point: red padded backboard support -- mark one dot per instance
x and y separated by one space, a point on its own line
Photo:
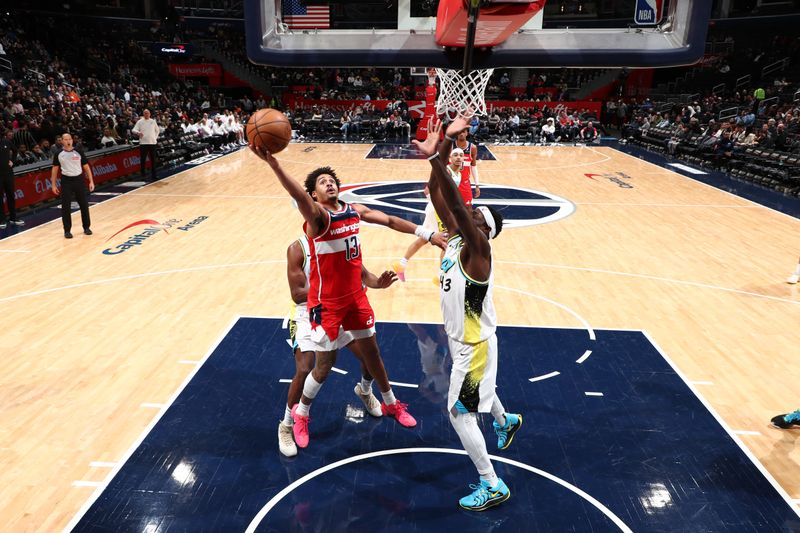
495 22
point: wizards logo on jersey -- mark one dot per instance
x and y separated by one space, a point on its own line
648 12
519 207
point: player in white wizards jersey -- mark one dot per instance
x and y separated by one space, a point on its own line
298 261
466 280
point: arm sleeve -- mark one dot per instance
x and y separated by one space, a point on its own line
84 159
56 162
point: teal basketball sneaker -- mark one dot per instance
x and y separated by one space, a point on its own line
484 496
505 434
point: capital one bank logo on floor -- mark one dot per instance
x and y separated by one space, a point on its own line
520 207
152 227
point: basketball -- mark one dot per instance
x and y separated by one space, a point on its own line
269 129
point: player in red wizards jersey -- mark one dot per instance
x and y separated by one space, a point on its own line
337 301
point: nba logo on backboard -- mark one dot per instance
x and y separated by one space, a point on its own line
648 11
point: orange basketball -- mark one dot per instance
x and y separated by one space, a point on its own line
269 129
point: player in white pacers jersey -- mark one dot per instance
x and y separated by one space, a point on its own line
466 280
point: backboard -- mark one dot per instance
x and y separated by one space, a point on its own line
305 33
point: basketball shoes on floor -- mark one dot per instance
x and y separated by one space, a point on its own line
370 401
400 270
400 413
286 441
505 434
787 421
300 427
484 496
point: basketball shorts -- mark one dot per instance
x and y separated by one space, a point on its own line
300 332
431 221
473 376
351 316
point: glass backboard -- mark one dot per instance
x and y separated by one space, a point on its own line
386 33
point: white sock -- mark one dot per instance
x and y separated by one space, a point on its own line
491 479
366 385
388 397
287 416
498 412
302 409
797 270
466 427
403 262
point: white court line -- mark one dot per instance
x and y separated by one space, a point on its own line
102 464
339 370
253 196
584 357
702 382
152 405
87 483
724 425
746 432
645 276
284 381
188 362
662 169
587 393
138 276
544 376
262 513
401 384
15 251
99 490
123 195
714 206
561 306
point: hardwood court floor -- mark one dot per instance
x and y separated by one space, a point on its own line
92 343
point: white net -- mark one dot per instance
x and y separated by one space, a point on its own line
461 95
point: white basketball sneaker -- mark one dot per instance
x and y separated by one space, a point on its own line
794 278
370 401
286 440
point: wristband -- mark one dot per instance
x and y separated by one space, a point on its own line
423 233
434 156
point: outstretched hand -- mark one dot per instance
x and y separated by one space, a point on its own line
264 154
457 126
428 147
386 279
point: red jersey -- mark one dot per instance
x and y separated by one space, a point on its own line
335 258
465 185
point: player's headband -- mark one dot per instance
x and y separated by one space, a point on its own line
487 216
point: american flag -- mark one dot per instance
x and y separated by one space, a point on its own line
299 16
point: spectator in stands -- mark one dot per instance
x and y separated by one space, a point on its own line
108 139
147 130
345 123
549 131
589 132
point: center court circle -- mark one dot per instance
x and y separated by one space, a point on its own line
376 487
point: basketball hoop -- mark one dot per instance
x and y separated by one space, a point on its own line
464 95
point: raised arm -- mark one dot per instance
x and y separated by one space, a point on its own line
312 212
449 193
434 191
373 216
294 272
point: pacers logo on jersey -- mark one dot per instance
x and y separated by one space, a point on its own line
648 12
519 207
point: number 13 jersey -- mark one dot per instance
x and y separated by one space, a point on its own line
336 258
467 306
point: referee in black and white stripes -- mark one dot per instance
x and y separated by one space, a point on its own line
73 163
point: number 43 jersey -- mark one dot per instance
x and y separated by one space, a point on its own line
336 258
467 306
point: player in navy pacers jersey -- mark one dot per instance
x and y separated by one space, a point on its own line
337 301
466 279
